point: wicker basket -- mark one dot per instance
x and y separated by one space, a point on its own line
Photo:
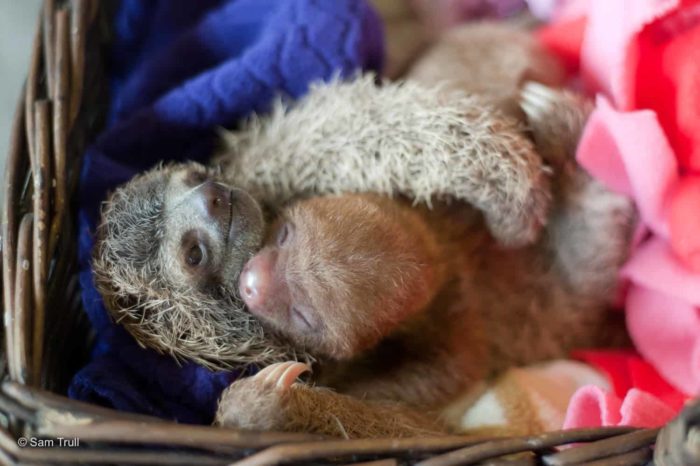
47 337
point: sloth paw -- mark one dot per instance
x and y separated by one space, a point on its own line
261 402
556 119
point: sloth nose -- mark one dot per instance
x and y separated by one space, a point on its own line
217 199
255 283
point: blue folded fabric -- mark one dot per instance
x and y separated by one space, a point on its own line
178 70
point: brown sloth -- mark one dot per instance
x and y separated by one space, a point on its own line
404 308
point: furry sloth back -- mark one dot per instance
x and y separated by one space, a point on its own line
491 60
397 138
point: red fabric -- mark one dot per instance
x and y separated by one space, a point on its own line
667 79
564 40
626 370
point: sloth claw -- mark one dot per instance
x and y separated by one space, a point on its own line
282 374
536 99
290 375
263 374
556 119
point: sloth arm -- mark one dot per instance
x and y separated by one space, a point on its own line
394 140
272 401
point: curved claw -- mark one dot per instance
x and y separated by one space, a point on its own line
535 98
291 374
282 374
266 371
278 371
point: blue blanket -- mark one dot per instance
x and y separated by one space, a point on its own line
179 69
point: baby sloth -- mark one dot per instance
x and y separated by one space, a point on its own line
404 308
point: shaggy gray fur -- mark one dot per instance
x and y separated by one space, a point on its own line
172 317
397 138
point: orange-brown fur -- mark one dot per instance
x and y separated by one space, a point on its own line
428 303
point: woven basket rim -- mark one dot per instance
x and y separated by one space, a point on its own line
57 114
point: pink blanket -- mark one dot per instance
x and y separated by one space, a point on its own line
642 58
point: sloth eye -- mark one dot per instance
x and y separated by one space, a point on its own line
283 234
195 255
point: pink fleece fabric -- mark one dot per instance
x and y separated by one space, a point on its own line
629 152
630 55
608 52
592 406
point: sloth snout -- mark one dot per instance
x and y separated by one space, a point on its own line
256 282
217 200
